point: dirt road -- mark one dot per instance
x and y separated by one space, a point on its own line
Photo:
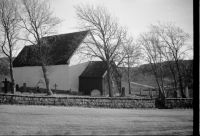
42 120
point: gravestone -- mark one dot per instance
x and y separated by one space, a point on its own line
17 88
38 89
186 92
55 86
95 93
5 85
123 91
175 94
140 91
178 94
24 87
9 85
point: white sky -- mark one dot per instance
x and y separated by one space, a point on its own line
135 14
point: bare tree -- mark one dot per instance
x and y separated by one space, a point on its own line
106 36
175 39
9 31
133 54
39 21
169 63
150 43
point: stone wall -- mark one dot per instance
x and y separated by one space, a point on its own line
173 103
104 102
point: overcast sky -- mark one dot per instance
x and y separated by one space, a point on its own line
135 14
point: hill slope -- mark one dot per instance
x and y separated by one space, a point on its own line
143 75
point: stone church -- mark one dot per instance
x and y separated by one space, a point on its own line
65 71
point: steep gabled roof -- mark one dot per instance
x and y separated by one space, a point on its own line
63 47
94 69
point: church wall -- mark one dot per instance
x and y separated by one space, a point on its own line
60 77
33 75
74 72
28 75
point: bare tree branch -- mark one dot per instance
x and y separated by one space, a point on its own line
9 30
132 55
38 22
106 37
176 41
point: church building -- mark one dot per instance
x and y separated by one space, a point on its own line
64 71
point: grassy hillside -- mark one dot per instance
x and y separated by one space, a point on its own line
143 75
135 89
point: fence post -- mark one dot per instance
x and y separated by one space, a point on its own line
150 92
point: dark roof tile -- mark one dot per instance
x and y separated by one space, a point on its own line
63 47
94 69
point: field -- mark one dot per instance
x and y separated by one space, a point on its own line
40 120
136 89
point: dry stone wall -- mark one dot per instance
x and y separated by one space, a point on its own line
104 102
172 103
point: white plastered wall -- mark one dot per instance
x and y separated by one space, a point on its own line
59 75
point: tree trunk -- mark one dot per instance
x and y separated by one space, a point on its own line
162 82
12 77
174 78
157 81
129 85
180 79
129 82
109 80
159 87
49 92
